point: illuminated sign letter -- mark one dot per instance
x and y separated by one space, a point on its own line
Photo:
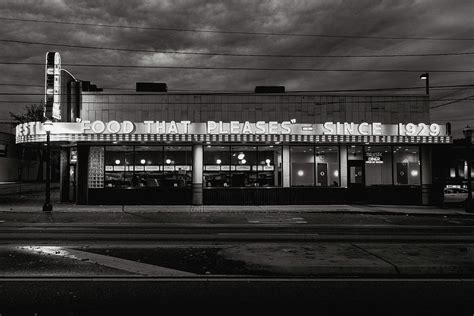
173 129
186 125
128 127
349 129
148 126
85 125
113 127
247 128
234 127
211 127
286 127
222 130
98 127
160 127
329 128
272 127
376 128
364 128
260 127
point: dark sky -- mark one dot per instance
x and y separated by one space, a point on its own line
402 19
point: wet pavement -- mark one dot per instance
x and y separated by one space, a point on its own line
242 259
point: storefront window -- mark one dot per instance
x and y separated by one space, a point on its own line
118 166
327 166
216 170
148 166
177 165
269 166
243 166
378 165
406 165
302 165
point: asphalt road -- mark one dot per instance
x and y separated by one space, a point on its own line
127 264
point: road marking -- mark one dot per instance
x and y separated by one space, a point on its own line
276 220
108 261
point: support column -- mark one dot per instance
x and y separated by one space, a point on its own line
197 174
426 175
343 171
82 174
286 166
64 175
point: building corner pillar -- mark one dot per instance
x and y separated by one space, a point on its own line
343 164
426 175
197 174
286 166
64 175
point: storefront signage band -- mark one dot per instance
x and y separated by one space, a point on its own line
234 128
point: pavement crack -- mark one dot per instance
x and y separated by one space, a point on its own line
377 256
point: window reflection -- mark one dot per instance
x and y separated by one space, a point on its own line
118 166
216 169
269 166
302 165
242 166
148 166
177 166
406 162
327 165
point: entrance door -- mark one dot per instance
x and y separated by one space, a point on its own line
356 181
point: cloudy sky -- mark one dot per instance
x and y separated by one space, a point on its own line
203 28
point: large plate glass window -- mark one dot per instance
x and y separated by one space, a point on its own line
406 165
243 166
216 171
269 166
148 166
177 166
378 165
327 165
302 165
118 166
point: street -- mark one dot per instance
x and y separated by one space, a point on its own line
122 262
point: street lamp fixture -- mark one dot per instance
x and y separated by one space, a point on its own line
426 76
467 131
47 207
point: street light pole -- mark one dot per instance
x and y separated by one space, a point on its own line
426 77
468 138
47 207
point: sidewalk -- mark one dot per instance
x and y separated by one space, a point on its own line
32 199
343 208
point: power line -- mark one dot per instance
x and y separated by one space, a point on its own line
21 85
459 119
468 98
235 54
247 68
437 87
238 32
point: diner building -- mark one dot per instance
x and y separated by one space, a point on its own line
267 146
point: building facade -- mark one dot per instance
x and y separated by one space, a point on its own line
264 147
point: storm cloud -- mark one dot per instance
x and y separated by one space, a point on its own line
403 19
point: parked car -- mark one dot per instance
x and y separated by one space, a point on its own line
455 196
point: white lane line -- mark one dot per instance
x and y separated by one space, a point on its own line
108 261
